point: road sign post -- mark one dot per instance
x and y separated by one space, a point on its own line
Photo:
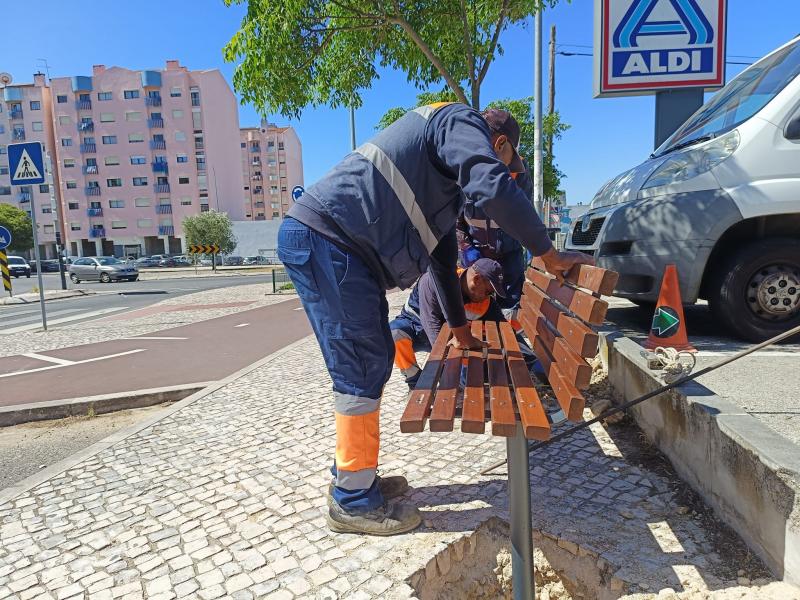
26 165
212 249
5 242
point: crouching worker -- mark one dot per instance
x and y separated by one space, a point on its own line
420 320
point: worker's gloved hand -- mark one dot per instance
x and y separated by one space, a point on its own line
464 340
469 256
559 263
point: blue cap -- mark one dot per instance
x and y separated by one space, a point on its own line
493 272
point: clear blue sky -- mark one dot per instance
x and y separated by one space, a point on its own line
607 135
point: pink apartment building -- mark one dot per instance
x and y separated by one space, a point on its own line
272 164
140 150
26 116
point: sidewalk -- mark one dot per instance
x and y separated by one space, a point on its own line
33 297
222 496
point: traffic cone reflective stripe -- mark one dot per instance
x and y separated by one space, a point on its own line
668 328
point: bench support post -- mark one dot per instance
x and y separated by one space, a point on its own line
519 500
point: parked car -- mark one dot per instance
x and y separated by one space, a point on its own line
167 261
18 266
208 262
183 261
146 262
719 200
102 268
233 261
255 260
48 266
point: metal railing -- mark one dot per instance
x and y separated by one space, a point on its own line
88 148
86 126
161 188
90 169
164 209
166 230
160 167
155 123
94 212
15 113
280 279
152 101
97 232
92 191
83 104
158 144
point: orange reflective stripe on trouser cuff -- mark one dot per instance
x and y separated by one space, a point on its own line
357 440
404 357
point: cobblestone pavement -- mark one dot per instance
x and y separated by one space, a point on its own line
256 295
223 497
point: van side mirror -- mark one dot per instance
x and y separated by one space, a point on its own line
793 129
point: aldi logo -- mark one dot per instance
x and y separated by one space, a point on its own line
642 46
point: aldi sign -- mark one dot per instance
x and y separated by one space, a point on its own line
643 46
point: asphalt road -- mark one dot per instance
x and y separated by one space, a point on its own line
765 384
115 297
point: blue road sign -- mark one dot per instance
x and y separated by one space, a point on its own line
5 238
26 163
297 191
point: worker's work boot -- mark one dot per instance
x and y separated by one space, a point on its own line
390 487
390 519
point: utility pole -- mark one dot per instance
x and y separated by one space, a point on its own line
352 128
538 180
552 73
60 228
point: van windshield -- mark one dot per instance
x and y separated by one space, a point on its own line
740 99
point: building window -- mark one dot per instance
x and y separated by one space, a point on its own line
37 126
141 202
107 117
118 225
175 92
49 228
180 136
116 204
204 208
130 94
144 223
116 182
138 160
66 142
109 139
3 170
64 120
182 158
73 206
243 145
177 114
3 150
44 188
280 145
111 161
197 122
36 105
194 92
134 138
72 184
69 163
183 180
133 116
5 190
139 181
61 99
186 201
105 96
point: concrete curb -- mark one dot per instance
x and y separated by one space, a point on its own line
54 295
31 482
98 405
746 471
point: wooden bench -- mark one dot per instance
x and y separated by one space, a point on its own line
495 385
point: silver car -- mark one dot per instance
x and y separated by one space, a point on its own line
102 268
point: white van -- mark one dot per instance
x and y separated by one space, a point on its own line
721 200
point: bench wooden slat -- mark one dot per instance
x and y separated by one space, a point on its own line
569 398
591 278
531 412
419 401
444 403
584 305
578 336
473 415
503 418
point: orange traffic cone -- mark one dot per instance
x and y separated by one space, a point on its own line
669 329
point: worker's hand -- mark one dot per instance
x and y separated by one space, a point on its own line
464 340
559 263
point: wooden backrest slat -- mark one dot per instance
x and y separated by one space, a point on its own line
531 412
473 415
569 398
580 337
582 304
591 278
419 401
503 418
444 403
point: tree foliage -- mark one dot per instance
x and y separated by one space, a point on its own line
19 224
210 227
522 111
296 53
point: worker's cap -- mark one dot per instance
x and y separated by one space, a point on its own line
502 123
491 271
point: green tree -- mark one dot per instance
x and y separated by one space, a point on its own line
522 111
295 53
210 227
19 224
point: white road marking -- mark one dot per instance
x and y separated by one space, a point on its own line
242 325
37 314
92 313
299 308
58 361
759 354
152 337
77 362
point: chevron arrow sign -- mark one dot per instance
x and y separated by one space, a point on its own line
204 249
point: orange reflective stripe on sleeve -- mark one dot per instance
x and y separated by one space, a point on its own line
404 356
357 441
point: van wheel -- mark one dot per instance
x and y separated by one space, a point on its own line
756 293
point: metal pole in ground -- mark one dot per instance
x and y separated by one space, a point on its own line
38 263
519 507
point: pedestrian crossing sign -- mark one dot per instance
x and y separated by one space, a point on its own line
26 163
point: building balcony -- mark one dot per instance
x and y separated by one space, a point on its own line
258 204
86 126
166 230
258 190
255 148
158 145
18 135
152 101
155 123
160 167
161 188
92 191
90 169
199 146
15 113
88 148
195 101
83 104
24 196
261 218
164 209
97 232
94 212
256 177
